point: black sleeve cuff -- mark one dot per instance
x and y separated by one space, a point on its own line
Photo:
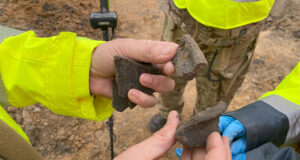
263 124
269 151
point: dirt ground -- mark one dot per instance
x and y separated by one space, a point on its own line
59 137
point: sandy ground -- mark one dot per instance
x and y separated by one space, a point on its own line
60 137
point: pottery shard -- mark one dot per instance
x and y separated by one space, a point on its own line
195 132
189 59
127 77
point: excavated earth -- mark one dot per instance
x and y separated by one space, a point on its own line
59 137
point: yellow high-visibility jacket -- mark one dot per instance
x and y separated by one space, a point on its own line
289 87
226 14
53 71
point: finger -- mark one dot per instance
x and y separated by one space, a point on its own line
224 122
238 146
141 98
167 68
199 153
145 50
101 86
159 83
187 153
226 143
215 147
235 129
214 141
157 145
170 126
241 156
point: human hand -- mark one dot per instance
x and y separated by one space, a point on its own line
102 69
236 132
157 145
217 148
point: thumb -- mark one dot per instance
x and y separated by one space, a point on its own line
157 145
217 148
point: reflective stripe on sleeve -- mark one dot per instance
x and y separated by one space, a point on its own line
7 32
291 110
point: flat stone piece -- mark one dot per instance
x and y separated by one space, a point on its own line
127 77
189 59
195 132
120 103
296 34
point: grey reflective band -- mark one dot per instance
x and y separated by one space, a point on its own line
4 33
3 96
7 32
292 111
245 0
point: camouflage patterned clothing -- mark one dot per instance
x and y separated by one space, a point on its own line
233 50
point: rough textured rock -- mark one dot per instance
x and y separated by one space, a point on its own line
119 103
296 34
127 77
189 59
195 132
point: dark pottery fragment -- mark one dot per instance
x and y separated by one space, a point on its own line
195 132
189 59
127 77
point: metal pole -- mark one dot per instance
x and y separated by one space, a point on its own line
104 8
104 4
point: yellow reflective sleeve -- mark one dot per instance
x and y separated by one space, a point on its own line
53 71
180 3
10 122
289 87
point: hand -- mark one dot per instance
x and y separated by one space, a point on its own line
236 132
157 145
217 148
102 69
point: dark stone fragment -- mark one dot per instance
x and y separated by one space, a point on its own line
119 103
127 77
259 61
130 104
128 73
195 132
49 7
296 34
189 59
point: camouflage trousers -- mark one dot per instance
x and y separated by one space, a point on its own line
228 53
